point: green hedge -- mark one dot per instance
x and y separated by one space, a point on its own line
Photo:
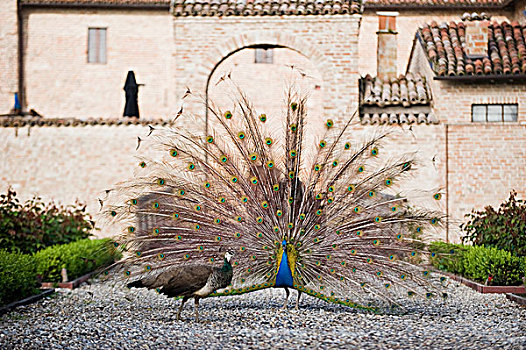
79 258
17 276
479 262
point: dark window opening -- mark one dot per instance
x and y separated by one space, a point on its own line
264 56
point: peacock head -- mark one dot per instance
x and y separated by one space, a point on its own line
228 256
284 243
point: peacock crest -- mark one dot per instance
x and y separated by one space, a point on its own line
327 218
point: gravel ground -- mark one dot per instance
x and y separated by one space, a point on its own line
101 317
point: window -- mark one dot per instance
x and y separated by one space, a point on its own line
96 45
387 21
494 112
264 56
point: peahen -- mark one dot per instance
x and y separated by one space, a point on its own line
188 281
328 219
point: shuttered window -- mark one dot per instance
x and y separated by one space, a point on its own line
96 45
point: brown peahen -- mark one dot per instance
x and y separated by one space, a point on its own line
188 281
327 218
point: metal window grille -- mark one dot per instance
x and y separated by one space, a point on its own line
494 112
96 45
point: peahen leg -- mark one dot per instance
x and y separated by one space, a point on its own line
286 298
298 300
196 299
181 308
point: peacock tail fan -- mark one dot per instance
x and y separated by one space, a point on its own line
256 187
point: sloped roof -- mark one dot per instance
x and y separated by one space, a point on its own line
442 4
444 46
221 7
406 90
264 7
402 100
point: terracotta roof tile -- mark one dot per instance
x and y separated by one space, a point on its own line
445 45
475 4
406 90
264 7
110 3
18 122
398 118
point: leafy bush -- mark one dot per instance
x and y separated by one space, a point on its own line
35 225
504 228
479 262
447 256
78 258
17 276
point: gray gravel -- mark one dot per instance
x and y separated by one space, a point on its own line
102 317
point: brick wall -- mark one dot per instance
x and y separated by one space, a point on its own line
328 42
485 163
485 160
67 163
8 54
60 83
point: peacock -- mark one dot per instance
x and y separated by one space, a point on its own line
326 218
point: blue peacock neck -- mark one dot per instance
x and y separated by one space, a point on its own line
284 275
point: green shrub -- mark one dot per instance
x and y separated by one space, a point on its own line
504 228
78 258
17 276
35 225
447 256
479 262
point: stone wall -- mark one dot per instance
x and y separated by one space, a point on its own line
8 54
60 83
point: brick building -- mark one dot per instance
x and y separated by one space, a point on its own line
68 59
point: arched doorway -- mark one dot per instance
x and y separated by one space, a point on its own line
264 74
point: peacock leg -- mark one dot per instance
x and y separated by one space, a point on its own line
286 298
181 308
298 300
196 299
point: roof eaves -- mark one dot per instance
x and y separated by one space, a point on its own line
490 78
40 4
426 6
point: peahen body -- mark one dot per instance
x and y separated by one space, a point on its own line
188 281
328 219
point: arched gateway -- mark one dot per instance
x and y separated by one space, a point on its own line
325 32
